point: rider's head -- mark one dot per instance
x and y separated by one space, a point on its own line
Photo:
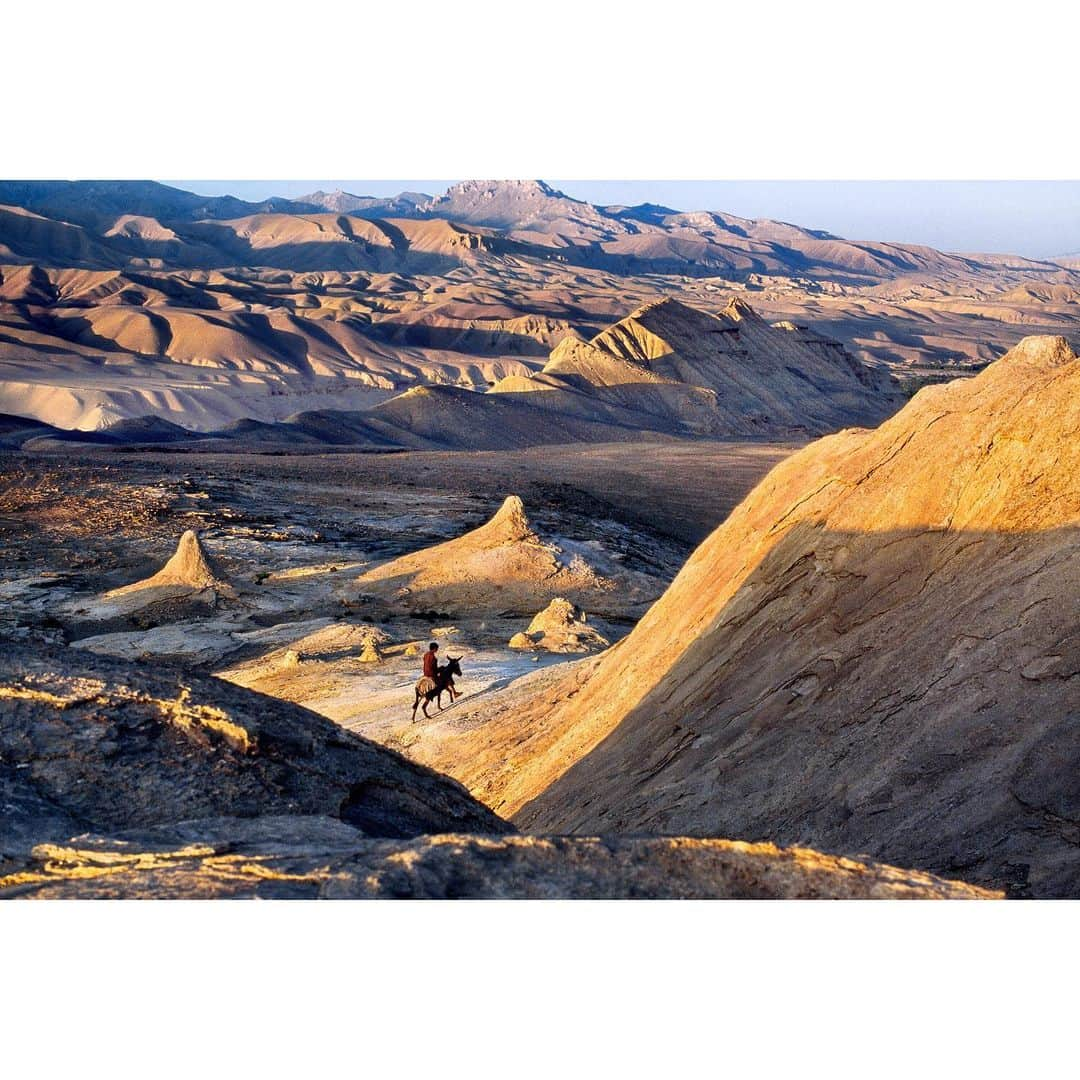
434 646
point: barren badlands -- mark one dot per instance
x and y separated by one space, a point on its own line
756 547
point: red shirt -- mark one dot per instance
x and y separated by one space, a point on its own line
431 664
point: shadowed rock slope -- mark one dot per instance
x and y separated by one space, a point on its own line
90 744
876 652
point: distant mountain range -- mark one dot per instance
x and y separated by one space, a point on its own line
118 224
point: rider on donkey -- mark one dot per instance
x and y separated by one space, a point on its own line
435 679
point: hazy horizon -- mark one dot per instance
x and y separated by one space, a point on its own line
1036 218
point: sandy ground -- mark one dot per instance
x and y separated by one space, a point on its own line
376 700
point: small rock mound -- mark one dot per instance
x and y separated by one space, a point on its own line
561 627
503 566
328 643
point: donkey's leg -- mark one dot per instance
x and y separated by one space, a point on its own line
414 704
427 702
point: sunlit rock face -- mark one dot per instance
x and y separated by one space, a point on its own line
876 652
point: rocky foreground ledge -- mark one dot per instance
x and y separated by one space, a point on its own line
317 858
143 780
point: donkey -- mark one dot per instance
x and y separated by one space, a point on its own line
429 690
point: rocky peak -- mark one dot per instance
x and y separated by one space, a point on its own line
515 204
491 189
739 309
510 522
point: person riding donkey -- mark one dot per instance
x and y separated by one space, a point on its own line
436 679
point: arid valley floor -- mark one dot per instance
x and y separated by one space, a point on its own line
757 548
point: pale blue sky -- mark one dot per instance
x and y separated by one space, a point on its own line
1037 218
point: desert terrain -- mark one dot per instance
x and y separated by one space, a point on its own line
126 300
756 547
94 669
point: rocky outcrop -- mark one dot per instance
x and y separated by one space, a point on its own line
876 652
562 627
671 368
310 858
765 378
